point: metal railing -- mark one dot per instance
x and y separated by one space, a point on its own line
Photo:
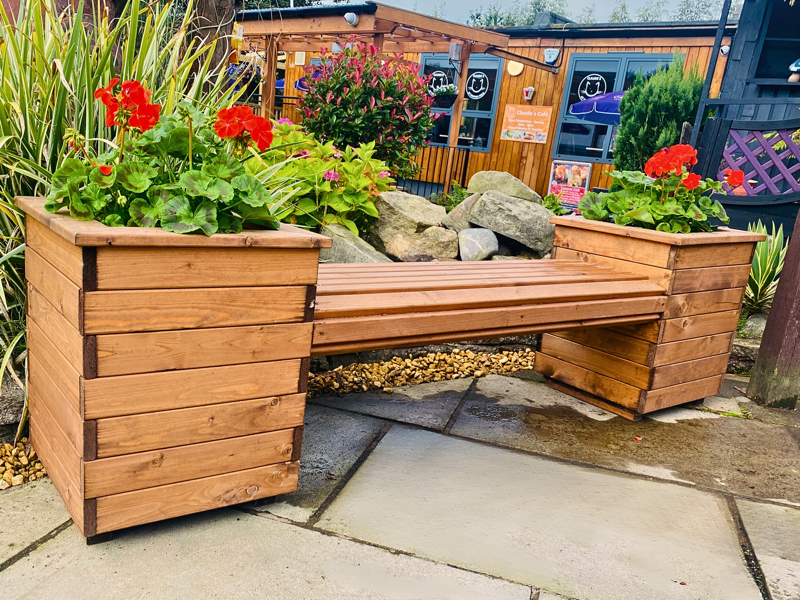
439 167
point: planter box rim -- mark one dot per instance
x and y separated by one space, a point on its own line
724 235
94 233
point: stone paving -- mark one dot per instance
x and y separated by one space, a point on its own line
496 488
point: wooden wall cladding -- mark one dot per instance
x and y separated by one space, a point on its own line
166 380
683 356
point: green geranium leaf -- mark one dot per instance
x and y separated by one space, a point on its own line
719 212
104 181
146 213
622 220
591 205
223 167
664 226
135 176
71 168
114 221
197 183
180 218
251 190
95 196
693 212
229 223
640 214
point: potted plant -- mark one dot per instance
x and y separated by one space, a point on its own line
169 317
658 225
444 96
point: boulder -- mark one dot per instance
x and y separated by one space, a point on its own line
753 329
402 213
525 222
477 244
12 399
505 257
506 183
456 219
347 247
435 243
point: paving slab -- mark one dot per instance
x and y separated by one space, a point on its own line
28 513
579 532
427 404
229 554
332 442
736 455
774 532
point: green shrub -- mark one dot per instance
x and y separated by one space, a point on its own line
456 196
653 112
767 266
552 202
363 96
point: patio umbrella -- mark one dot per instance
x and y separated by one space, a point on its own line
280 84
603 109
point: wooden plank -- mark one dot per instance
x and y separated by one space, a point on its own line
685 328
589 381
598 361
142 470
64 336
326 269
129 353
148 268
710 278
125 311
714 255
64 295
148 392
57 440
334 331
57 251
627 413
62 408
337 306
675 352
646 252
698 303
611 342
176 499
460 336
164 429
63 374
669 375
648 332
680 394
660 276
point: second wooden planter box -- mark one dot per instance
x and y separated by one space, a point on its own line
167 373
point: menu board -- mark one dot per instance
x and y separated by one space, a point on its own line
571 180
525 123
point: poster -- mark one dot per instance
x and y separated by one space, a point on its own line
524 123
571 180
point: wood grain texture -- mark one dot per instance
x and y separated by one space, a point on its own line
159 268
61 446
692 349
661 276
621 411
65 257
710 278
173 500
142 470
680 394
63 409
57 367
129 353
64 336
611 342
714 255
670 375
698 303
684 328
63 294
125 311
152 431
589 381
654 254
149 392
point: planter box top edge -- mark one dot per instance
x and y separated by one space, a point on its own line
94 233
723 235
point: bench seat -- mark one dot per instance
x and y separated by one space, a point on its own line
372 306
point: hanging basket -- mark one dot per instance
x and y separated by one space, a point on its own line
444 100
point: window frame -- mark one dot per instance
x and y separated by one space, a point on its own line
624 59
491 114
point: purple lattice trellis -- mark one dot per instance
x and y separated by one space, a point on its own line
765 149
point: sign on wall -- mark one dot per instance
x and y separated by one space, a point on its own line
524 123
571 180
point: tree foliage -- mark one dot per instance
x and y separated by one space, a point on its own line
620 13
588 15
653 112
651 12
517 14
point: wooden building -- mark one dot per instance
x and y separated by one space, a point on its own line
599 57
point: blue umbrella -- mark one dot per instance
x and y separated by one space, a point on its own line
603 109
280 84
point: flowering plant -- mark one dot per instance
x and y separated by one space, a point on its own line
445 90
183 171
363 96
329 185
666 197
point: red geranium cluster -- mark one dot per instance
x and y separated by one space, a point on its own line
130 107
241 125
672 159
734 178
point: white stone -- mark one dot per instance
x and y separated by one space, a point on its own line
476 244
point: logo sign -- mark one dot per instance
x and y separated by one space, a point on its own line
591 86
523 123
477 85
438 80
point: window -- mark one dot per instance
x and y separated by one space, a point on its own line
591 75
480 100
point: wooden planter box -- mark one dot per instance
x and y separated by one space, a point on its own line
167 372
679 358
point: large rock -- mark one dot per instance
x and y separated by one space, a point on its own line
525 222
457 219
348 248
403 213
435 243
753 329
12 399
477 244
506 183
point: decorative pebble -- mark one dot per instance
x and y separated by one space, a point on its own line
19 464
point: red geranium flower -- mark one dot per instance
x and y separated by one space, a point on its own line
134 94
145 116
734 178
262 135
106 169
691 181
229 123
104 94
